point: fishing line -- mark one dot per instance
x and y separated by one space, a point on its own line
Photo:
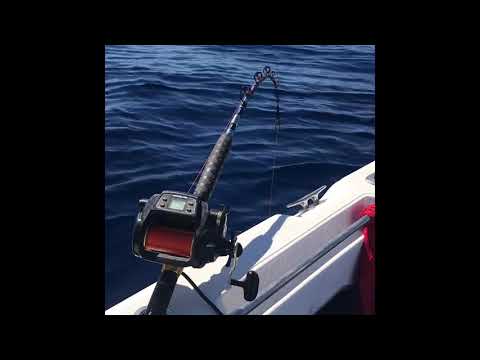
196 178
276 130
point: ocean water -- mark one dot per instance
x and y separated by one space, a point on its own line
165 107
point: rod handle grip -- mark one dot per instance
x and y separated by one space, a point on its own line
213 167
162 293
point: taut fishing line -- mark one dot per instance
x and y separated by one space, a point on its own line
276 130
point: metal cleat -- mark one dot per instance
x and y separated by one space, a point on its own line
308 200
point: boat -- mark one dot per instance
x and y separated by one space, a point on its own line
302 261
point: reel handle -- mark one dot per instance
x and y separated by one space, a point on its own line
249 285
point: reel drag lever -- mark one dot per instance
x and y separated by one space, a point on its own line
236 250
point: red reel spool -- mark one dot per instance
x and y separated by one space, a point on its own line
169 241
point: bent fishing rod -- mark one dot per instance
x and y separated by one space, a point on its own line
178 229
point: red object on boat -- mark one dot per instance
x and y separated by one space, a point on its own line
174 242
367 264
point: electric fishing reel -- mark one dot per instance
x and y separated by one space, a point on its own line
179 229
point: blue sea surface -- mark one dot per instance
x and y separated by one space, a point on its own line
165 107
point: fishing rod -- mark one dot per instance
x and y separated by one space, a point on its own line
178 229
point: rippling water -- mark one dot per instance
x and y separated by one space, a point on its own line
167 105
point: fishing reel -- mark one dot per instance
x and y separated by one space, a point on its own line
178 229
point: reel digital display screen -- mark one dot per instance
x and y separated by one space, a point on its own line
177 203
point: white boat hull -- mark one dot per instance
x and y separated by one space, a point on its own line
275 248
